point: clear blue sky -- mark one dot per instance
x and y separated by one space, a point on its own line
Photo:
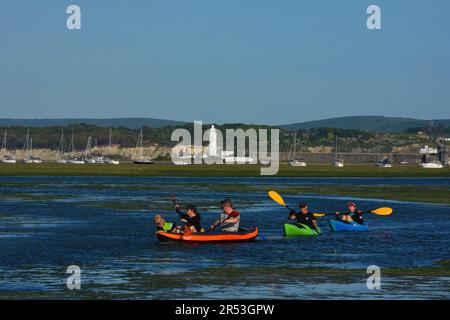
253 61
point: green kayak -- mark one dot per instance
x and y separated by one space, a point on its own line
299 229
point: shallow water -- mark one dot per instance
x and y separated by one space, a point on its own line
104 225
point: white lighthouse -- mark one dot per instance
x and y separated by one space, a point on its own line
212 150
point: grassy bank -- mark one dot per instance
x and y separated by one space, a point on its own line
132 170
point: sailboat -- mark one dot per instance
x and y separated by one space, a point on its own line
60 151
294 162
139 152
72 159
7 158
385 163
28 150
87 158
337 163
109 159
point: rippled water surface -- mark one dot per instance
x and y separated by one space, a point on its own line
104 225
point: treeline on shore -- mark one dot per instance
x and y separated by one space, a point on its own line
349 140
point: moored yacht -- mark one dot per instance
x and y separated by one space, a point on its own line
139 153
7 158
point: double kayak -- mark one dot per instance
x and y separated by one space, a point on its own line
299 229
337 225
213 236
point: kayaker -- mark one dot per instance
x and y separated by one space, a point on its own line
191 218
304 216
164 226
356 215
229 219
351 215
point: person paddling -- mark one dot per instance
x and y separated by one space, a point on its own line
304 216
229 220
352 214
191 218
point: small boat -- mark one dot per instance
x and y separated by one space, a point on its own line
337 225
139 153
28 149
109 159
293 162
9 159
337 163
432 165
60 150
385 163
213 237
299 229
75 160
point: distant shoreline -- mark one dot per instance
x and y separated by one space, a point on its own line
167 169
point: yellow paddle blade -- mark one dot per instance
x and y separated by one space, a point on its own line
276 197
319 214
385 211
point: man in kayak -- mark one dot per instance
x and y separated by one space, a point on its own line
352 215
229 219
163 226
191 218
304 216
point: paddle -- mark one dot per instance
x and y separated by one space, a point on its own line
384 211
275 196
186 230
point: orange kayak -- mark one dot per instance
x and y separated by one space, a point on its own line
242 235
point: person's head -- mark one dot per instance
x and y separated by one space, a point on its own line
351 206
159 220
191 210
227 205
303 206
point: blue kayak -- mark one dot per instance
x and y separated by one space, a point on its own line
337 225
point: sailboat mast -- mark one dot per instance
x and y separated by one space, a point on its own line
336 149
72 142
142 148
295 142
4 143
110 139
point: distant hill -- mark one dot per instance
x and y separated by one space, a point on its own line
132 123
370 123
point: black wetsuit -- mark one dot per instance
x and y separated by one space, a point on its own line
195 221
358 217
307 219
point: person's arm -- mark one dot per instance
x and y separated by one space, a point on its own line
218 221
291 215
233 217
230 220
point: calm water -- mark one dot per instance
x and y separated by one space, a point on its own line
104 225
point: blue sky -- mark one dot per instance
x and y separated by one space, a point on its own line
253 61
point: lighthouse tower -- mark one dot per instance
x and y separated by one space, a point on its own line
212 150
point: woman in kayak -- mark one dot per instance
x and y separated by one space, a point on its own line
163 226
229 220
351 215
191 218
304 216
